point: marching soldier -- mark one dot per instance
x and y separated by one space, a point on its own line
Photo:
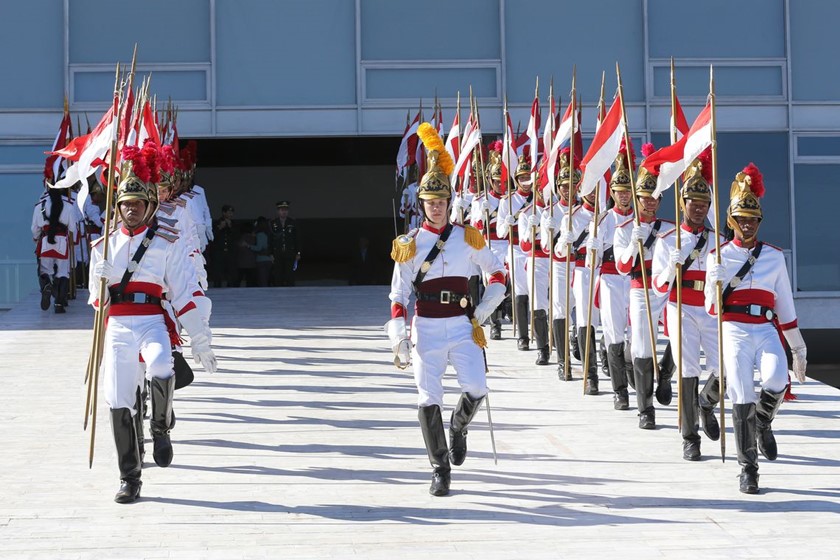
510 209
483 217
756 297
435 262
699 330
144 263
286 246
579 242
536 270
629 263
551 223
53 231
614 288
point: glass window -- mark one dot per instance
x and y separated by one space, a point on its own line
817 146
813 27
817 236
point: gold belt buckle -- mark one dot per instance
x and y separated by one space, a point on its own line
699 285
445 296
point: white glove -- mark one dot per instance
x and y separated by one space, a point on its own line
209 230
510 220
400 344
484 205
637 234
594 244
675 258
716 273
533 221
102 269
464 204
199 333
566 238
550 222
494 293
799 352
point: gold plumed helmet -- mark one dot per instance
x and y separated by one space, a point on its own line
435 183
747 189
646 180
523 169
697 180
494 166
621 179
139 175
563 175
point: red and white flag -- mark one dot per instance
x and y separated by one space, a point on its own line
604 148
550 126
533 131
407 153
678 123
84 150
563 134
604 183
472 138
673 160
509 159
55 163
453 140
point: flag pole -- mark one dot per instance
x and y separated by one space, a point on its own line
678 238
594 254
483 176
637 221
533 285
510 184
568 248
718 288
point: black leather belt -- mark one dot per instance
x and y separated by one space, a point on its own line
137 297
446 297
751 310
637 274
694 284
609 255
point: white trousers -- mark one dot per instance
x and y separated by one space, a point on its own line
441 341
59 267
538 286
747 347
580 289
126 337
614 298
558 304
699 330
517 271
639 330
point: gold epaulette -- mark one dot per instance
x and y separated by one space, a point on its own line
180 202
473 237
169 229
166 208
403 248
166 235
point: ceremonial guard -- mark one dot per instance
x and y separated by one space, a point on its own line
629 263
510 210
143 264
434 262
462 200
556 239
699 330
579 242
484 216
757 300
284 233
536 270
53 231
408 201
613 289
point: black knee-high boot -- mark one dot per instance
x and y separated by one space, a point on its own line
431 424
602 355
523 321
45 283
128 455
463 414
161 422
643 371
765 411
708 399
560 343
138 424
541 335
664 392
618 376
743 418
592 373
688 418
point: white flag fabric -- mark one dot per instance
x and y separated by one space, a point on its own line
604 148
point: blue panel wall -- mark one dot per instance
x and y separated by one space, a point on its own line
426 83
104 31
819 146
188 85
431 30
32 47
275 53
817 235
20 193
546 38
733 81
813 32
717 29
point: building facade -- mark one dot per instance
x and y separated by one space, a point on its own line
353 69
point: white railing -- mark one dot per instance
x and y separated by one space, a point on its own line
17 279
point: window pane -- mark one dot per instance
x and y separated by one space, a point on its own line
817 236
819 145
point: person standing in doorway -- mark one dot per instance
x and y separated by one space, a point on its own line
284 235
